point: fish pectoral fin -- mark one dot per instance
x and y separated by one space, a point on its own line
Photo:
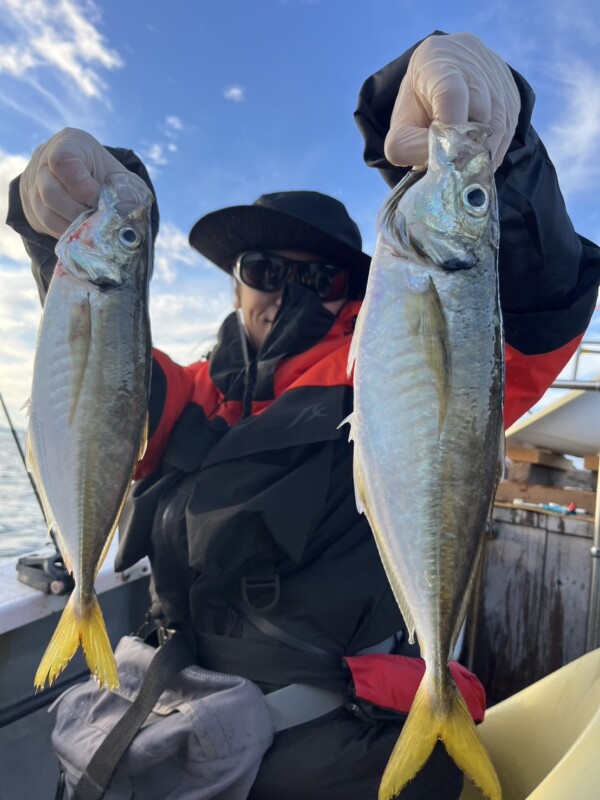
79 338
427 324
74 628
424 726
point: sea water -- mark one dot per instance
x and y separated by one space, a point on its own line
22 526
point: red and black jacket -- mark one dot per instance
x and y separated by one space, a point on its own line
246 503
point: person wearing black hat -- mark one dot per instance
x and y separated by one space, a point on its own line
244 500
304 237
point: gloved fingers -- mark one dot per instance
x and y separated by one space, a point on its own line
406 142
63 179
455 79
46 205
71 164
500 139
407 146
54 200
447 98
504 119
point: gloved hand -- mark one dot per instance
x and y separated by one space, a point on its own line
63 179
454 79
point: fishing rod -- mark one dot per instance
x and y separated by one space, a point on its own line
46 573
21 453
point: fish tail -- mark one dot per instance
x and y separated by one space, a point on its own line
75 628
428 722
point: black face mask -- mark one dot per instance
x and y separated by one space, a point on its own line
300 323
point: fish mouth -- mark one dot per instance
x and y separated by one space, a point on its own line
105 282
439 252
457 264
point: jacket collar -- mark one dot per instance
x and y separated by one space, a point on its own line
236 369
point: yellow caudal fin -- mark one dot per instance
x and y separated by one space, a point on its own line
72 630
424 726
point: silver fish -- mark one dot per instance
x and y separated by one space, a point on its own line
89 400
427 422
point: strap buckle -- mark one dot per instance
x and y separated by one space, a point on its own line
257 588
164 634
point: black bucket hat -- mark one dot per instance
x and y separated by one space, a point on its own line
307 221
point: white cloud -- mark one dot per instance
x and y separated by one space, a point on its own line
19 319
235 93
61 35
10 242
174 123
573 141
172 148
154 154
185 323
173 249
16 61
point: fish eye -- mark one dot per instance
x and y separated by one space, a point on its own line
129 237
475 199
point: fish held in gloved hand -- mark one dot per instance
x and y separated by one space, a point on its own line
89 401
427 422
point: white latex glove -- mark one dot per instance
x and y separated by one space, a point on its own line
454 79
63 180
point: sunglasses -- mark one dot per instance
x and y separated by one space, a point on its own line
269 272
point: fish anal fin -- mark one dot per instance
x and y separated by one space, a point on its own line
429 721
79 338
33 469
29 457
144 439
428 327
360 490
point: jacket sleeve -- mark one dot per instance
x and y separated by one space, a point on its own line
40 247
171 390
549 275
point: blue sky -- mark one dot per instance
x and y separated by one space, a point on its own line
227 99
